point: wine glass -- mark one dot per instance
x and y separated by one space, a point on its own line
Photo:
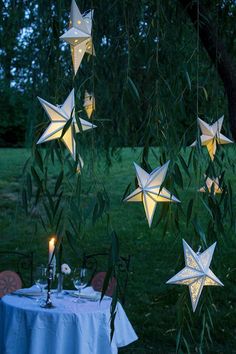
79 279
41 280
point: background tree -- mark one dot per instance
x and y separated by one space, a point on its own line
216 46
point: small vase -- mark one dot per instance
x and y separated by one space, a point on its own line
60 286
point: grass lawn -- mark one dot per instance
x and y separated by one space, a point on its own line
160 313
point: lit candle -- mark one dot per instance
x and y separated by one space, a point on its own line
51 248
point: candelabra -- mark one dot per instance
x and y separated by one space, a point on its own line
48 302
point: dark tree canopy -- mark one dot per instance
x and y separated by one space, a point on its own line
151 75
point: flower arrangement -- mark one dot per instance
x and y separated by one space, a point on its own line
65 269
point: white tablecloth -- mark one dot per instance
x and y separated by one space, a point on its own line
69 328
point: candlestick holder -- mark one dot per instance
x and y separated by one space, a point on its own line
48 302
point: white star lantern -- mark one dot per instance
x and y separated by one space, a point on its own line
196 273
89 103
211 184
211 136
59 116
150 190
79 35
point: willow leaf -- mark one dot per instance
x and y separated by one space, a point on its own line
59 182
133 89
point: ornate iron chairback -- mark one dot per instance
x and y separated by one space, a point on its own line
21 263
95 263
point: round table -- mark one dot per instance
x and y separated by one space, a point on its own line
69 328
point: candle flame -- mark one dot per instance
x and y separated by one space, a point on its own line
52 241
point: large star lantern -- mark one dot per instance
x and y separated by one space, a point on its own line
59 116
211 136
150 190
196 273
79 35
212 184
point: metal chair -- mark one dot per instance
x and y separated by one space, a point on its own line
98 280
9 282
96 263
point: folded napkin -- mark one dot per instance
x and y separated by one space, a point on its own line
87 293
90 294
33 291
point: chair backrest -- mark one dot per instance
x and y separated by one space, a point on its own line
9 282
98 280
19 262
96 262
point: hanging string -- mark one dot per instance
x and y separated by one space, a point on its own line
93 94
199 172
197 106
157 61
216 61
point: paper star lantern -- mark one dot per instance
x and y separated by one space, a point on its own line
196 273
59 116
211 136
80 165
89 103
211 184
150 190
79 35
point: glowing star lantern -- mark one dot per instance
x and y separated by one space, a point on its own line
79 35
80 165
89 103
211 136
211 184
196 273
59 116
150 190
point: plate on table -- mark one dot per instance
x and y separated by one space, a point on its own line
84 296
27 292
96 296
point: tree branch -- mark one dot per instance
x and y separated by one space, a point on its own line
217 52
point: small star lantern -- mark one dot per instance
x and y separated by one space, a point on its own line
150 190
211 136
211 184
89 104
79 35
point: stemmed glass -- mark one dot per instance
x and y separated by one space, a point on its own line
79 279
41 280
